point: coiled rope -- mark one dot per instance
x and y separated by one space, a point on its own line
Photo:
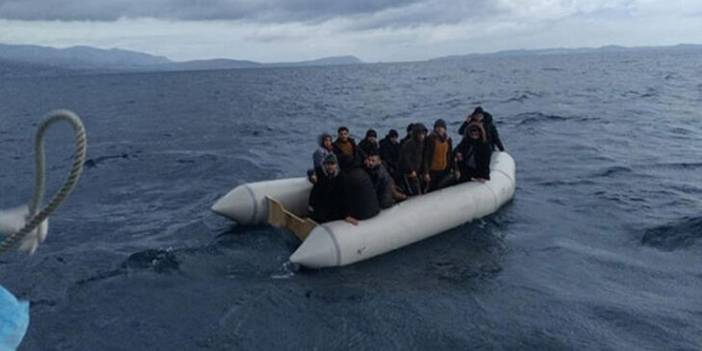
37 217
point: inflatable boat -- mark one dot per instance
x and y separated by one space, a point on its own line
283 203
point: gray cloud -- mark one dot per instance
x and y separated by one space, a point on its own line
254 10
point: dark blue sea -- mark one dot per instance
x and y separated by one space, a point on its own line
601 249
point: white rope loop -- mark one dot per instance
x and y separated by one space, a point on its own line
37 217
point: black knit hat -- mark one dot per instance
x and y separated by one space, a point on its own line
330 158
418 128
371 133
393 134
372 151
440 123
478 110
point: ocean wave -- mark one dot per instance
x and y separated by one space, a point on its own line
673 236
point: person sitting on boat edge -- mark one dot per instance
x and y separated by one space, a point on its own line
324 203
390 153
411 162
485 119
473 155
369 142
325 148
382 181
359 198
344 144
438 159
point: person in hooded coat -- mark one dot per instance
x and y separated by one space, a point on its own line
438 159
325 201
390 153
359 200
326 147
369 142
473 155
411 163
485 119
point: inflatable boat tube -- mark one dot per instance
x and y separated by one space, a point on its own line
14 319
339 243
247 204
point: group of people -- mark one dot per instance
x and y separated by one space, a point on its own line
355 181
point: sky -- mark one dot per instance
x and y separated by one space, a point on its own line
373 30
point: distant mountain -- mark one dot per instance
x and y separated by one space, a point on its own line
566 51
234 64
89 58
327 61
81 57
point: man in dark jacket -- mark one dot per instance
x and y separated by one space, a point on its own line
473 155
360 200
325 202
369 142
438 159
411 163
382 182
390 153
409 133
344 144
481 116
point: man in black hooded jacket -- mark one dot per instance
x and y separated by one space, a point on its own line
485 118
325 202
359 197
390 152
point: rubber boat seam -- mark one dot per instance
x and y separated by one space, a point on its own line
254 215
336 243
505 174
494 196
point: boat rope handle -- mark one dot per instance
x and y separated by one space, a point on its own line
37 217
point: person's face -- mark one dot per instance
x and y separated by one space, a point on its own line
421 136
344 135
474 134
440 130
394 140
330 168
373 161
478 118
372 139
327 143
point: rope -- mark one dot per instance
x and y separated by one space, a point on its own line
40 182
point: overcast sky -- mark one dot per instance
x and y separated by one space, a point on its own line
373 30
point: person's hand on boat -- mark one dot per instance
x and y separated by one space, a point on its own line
313 179
459 156
351 220
427 178
413 174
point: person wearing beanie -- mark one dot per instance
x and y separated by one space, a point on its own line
409 133
485 119
390 153
344 144
369 142
438 157
324 203
359 198
473 154
411 164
